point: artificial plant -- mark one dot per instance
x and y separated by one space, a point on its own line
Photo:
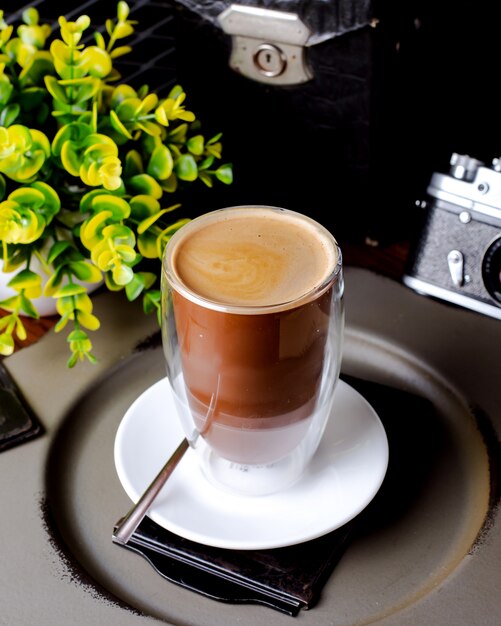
88 169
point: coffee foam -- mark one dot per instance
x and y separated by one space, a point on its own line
253 256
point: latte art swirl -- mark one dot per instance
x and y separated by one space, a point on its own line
247 260
240 274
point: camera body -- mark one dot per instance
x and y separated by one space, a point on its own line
458 255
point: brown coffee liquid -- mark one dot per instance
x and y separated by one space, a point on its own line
252 376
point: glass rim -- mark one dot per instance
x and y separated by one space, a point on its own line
175 283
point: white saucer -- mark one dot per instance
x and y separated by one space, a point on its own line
343 477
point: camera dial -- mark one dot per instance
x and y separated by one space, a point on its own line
464 167
491 269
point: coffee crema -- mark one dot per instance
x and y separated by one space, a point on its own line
253 257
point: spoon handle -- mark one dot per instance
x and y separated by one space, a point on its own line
127 525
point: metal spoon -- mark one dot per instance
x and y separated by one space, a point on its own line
127 525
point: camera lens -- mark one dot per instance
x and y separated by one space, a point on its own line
491 269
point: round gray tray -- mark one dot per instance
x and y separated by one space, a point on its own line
431 557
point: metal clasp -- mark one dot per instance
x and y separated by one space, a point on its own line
267 46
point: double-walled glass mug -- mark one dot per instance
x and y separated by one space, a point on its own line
252 331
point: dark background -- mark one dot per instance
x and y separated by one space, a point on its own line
356 146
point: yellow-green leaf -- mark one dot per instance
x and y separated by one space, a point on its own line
6 344
88 320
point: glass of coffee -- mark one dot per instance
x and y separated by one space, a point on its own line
252 331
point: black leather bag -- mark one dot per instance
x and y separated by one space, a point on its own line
396 87
321 146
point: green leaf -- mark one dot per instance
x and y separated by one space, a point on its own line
161 163
87 199
55 89
120 51
170 185
117 207
146 223
70 290
122 274
206 179
135 287
143 206
21 330
70 158
122 11
53 283
51 201
30 16
178 134
63 321
77 335
100 40
206 163
24 280
109 26
87 91
97 61
123 30
214 149
86 272
147 245
148 103
214 139
150 128
149 279
128 106
118 125
9 114
32 98
225 174
82 302
5 321
28 308
133 164
6 344
10 304
6 88
186 168
88 320
39 66
196 145
57 249
75 132
3 187
151 301
72 361
111 284
65 306
42 113
175 92
27 196
173 228
145 184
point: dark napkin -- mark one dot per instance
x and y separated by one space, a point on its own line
18 423
287 579
290 579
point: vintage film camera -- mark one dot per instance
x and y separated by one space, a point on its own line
458 255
